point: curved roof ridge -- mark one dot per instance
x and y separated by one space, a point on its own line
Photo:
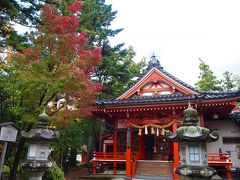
154 63
178 80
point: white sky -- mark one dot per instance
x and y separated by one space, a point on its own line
180 32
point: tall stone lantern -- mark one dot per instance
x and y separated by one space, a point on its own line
39 139
192 141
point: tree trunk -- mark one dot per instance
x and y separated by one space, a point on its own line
100 144
91 143
64 161
89 153
13 173
89 149
72 158
93 133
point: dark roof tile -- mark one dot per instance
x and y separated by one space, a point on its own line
170 97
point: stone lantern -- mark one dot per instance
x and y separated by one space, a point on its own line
235 115
192 146
39 139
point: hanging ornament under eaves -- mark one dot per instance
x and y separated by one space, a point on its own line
146 130
163 132
139 132
152 130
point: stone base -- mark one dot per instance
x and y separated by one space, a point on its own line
36 169
35 175
195 172
192 178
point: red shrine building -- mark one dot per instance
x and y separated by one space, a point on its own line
150 107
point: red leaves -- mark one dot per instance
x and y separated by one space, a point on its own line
75 42
65 24
29 55
56 24
49 12
75 7
59 58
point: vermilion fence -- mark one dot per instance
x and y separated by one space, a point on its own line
219 157
214 159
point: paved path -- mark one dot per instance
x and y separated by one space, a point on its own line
81 174
75 174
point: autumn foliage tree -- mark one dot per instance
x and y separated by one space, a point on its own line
58 63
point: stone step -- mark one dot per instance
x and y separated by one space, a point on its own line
154 168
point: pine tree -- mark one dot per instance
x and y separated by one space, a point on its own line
228 81
207 80
236 80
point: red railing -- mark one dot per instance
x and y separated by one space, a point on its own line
219 158
134 163
109 156
214 159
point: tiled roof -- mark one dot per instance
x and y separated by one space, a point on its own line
178 97
169 98
155 63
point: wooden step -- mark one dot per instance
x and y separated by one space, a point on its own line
154 168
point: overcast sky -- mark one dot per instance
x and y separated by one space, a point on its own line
180 32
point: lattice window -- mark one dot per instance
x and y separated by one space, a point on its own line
194 154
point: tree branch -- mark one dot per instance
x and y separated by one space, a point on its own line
53 95
42 98
60 108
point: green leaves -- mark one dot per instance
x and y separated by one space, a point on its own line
207 80
54 173
58 62
228 82
117 71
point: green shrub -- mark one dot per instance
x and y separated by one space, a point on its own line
6 169
54 173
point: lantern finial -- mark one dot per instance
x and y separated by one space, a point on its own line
42 120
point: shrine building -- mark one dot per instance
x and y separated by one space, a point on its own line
147 110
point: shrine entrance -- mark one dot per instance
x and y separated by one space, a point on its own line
161 149
149 144
157 147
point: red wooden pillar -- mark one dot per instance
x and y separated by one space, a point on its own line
128 153
84 156
94 163
115 145
201 118
94 167
229 174
175 153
